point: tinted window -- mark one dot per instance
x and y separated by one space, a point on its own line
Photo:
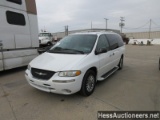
16 1
114 41
120 41
75 44
45 34
15 18
102 43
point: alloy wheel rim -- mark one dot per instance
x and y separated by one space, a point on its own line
90 83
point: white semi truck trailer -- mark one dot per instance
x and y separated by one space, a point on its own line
18 33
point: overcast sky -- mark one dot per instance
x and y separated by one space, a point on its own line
78 14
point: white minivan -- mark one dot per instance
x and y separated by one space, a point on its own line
76 63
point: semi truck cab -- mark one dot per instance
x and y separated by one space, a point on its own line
45 38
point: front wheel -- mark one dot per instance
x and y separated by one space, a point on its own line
49 43
88 84
159 63
120 65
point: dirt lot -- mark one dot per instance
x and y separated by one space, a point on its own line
136 87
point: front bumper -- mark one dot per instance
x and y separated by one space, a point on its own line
72 85
43 42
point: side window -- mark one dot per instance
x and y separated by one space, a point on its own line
16 1
15 18
102 43
120 41
112 41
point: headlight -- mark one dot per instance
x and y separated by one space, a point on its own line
69 73
29 67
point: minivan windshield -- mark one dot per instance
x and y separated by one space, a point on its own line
75 44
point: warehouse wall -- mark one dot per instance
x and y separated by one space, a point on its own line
143 35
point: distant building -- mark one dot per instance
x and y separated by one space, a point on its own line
143 35
144 41
60 35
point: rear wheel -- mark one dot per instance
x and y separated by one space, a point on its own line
159 63
120 65
88 83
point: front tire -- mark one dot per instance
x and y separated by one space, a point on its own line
159 63
49 43
88 84
120 65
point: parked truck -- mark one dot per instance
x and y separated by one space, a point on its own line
18 33
45 39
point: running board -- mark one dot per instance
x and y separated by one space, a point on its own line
110 73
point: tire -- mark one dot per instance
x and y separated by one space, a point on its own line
88 84
120 65
48 44
159 63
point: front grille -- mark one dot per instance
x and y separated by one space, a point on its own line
42 74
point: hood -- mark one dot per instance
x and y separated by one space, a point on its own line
56 62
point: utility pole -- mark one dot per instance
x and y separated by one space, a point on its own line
44 29
106 23
66 30
150 25
91 25
121 24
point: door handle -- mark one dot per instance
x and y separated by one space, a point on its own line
112 54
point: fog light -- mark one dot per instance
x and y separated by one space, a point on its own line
67 91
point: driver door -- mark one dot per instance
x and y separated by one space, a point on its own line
104 58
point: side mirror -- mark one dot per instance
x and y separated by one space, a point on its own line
101 50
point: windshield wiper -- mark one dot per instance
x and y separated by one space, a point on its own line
74 50
64 50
